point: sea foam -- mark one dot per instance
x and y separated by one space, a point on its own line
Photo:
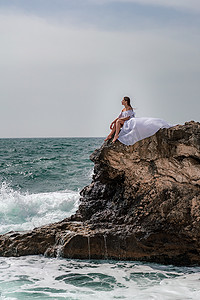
25 211
38 277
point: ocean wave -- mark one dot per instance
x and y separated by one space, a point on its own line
24 211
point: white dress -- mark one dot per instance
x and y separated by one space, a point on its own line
136 129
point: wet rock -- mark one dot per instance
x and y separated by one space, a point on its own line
143 204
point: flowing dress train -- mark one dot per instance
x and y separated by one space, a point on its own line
136 129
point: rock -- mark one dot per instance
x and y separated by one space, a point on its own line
143 204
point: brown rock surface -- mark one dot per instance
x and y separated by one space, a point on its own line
143 204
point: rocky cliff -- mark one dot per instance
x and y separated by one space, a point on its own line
143 204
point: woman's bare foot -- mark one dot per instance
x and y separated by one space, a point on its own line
108 138
115 138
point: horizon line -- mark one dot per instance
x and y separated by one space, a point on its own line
53 137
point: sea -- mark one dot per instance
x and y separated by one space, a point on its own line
40 183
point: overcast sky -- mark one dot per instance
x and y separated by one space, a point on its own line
66 64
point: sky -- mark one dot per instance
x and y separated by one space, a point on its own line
65 65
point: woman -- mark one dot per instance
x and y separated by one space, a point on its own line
133 129
124 116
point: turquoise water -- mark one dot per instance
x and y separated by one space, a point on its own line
40 184
47 165
37 277
41 179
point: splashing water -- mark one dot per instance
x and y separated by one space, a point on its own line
36 277
24 211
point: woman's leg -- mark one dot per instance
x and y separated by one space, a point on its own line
111 133
119 124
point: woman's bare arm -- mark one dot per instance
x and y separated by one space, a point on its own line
125 119
113 122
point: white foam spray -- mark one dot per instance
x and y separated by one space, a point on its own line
24 211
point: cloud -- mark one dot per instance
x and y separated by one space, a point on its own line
189 5
59 80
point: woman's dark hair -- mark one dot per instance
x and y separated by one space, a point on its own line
128 100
